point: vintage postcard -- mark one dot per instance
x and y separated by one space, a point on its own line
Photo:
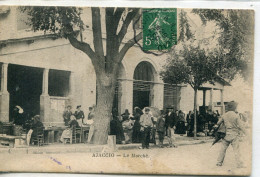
126 90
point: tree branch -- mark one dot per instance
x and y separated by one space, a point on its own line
112 45
129 44
117 16
110 21
84 47
97 31
126 24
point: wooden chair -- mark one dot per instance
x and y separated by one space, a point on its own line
76 135
39 139
85 136
66 140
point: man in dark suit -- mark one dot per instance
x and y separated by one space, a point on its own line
170 124
66 115
79 114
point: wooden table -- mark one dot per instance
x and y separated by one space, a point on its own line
53 134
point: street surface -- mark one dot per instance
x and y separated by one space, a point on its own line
196 159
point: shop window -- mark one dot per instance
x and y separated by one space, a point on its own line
59 83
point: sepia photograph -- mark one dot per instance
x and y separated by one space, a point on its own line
126 90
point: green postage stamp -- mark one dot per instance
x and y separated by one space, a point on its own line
159 29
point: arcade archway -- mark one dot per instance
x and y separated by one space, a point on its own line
144 77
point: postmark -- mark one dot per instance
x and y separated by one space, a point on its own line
159 29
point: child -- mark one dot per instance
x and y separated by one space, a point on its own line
160 127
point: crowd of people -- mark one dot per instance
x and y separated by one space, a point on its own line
139 127
142 126
31 125
25 124
205 122
77 120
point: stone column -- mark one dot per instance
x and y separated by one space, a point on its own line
222 102
45 82
158 94
204 98
4 95
72 89
211 100
45 99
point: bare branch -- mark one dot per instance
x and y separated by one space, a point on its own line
110 27
97 61
130 16
192 85
129 44
97 31
112 45
117 16
84 47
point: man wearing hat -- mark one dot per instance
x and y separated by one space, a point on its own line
37 128
66 115
146 123
234 128
170 125
91 113
79 114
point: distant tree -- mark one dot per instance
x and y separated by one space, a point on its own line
236 39
195 65
67 22
190 65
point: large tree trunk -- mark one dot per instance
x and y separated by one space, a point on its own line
195 112
105 96
106 66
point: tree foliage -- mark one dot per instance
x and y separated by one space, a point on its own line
184 28
195 65
67 22
191 65
58 20
235 38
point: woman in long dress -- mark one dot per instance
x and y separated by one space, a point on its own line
128 124
67 133
137 136
117 129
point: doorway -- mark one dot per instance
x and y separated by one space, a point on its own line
143 85
25 87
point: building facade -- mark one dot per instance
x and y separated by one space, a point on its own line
43 74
